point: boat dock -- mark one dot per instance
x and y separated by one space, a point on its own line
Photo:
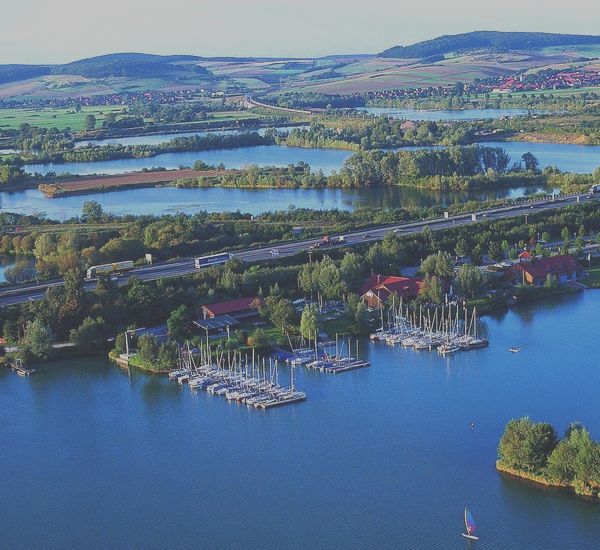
18 367
328 363
443 331
251 381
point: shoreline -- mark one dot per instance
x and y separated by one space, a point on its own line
543 482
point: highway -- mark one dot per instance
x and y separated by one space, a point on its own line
20 294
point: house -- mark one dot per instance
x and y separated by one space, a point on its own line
378 288
237 309
530 270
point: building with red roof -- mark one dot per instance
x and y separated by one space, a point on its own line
378 288
534 271
242 308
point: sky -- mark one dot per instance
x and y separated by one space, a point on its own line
57 31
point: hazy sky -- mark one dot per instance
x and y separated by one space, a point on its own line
54 31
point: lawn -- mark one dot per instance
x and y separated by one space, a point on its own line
593 279
52 118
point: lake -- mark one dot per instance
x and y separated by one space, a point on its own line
444 114
155 139
170 200
94 457
567 157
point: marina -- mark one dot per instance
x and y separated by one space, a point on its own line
157 450
443 330
327 359
251 381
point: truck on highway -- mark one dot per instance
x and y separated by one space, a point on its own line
595 189
326 240
212 260
106 269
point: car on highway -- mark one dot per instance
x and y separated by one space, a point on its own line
274 251
366 236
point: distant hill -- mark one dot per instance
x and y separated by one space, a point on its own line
489 40
14 73
134 65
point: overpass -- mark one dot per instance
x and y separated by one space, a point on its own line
258 254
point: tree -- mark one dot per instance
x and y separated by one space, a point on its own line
352 271
440 264
91 210
258 339
461 249
178 323
470 281
90 122
38 340
431 290
494 251
90 334
530 162
280 311
45 246
10 331
526 445
309 322
358 316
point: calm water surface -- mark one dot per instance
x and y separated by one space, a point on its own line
170 200
155 139
379 458
567 157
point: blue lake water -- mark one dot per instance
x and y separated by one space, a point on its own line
567 157
170 200
444 114
155 139
377 458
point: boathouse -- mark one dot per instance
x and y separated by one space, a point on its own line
531 270
378 288
244 308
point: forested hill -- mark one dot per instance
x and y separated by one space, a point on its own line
133 65
487 39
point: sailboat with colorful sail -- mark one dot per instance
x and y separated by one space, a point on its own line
469 526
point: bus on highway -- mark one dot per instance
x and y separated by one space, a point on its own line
208 261
105 269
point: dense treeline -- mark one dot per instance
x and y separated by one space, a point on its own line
487 39
382 133
534 450
178 144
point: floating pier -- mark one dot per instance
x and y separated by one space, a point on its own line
251 381
443 331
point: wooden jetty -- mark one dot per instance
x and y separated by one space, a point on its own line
18 367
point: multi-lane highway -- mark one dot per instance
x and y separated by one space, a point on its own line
15 295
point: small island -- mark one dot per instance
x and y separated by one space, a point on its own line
533 451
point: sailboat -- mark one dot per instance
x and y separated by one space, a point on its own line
469 526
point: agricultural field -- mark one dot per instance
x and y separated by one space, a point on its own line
53 118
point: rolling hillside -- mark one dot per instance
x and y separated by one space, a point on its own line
492 40
134 65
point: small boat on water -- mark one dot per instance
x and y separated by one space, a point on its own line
469 526
448 349
514 350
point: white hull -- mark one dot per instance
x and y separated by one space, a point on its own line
470 537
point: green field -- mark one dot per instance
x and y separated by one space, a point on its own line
52 118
